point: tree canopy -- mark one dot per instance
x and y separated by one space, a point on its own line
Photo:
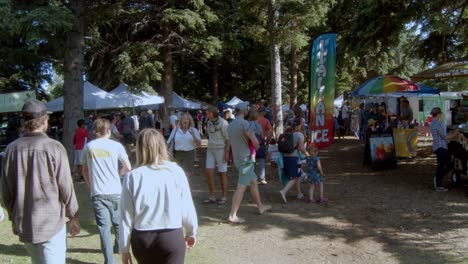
220 48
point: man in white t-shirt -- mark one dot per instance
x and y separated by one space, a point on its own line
346 114
102 176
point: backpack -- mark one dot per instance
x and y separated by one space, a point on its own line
286 143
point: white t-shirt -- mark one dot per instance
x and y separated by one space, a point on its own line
297 137
173 119
183 141
345 112
155 199
102 157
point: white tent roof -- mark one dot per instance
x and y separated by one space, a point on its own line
181 103
177 102
131 100
93 98
234 101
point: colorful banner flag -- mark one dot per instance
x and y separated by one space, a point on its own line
322 89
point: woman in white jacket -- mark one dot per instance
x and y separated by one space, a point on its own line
156 204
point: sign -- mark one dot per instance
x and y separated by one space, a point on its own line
13 102
406 142
382 151
322 89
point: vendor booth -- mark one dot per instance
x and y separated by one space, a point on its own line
390 134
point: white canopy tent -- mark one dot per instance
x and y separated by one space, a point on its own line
93 99
181 103
131 100
178 102
234 101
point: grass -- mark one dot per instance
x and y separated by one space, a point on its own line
81 249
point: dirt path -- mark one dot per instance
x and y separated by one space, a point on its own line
372 217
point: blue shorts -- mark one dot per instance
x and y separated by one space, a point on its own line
292 167
246 171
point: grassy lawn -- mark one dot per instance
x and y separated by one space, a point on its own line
84 248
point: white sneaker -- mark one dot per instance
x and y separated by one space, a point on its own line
300 196
441 189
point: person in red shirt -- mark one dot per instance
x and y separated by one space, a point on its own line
80 139
265 123
267 132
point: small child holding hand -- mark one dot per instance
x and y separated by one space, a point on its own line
314 174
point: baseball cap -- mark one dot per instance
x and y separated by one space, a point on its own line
33 109
244 106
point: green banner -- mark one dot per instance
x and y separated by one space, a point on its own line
322 89
13 102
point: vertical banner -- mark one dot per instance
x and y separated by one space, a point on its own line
322 89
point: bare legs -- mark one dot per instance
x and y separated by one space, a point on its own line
311 192
237 200
286 188
224 184
211 183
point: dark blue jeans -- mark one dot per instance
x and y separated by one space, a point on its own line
107 212
443 165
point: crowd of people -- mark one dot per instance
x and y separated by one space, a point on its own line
371 117
148 202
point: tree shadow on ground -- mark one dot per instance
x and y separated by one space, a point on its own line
395 208
13 250
75 261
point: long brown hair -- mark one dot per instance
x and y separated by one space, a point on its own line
151 148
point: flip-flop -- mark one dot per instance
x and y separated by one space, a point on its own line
210 201
222 201
264 209
237 220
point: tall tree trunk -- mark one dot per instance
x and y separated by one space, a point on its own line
293 74
167 84
214 82
73 75
275 66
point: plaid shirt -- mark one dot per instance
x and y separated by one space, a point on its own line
439 135
37 187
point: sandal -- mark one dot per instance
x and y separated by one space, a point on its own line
222 201
235 220
210 201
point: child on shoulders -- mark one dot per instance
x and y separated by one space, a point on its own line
314 173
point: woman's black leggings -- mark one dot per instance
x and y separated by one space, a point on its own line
158 246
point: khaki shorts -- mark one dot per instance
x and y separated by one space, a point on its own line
216 158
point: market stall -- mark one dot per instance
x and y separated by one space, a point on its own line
390 135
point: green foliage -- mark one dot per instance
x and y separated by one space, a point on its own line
138 65
126 40
31 41
442 28
227 41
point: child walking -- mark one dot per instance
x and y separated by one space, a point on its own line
80 138
314 174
